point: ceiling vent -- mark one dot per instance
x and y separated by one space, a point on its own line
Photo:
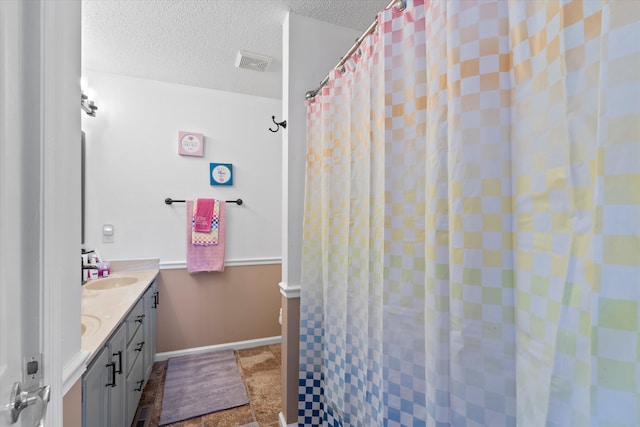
252 61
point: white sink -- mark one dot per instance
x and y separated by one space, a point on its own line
110 283
90 324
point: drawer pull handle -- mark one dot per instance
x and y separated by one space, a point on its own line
119 370
139 388
140 318
112 365
140 346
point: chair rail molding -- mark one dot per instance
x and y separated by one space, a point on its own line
176 265
289 291
73 370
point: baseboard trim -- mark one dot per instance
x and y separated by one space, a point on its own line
176 265
73 370
238 345
283 422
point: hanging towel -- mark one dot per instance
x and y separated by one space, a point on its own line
205 258
203 215
210 238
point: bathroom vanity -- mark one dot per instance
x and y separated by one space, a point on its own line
119 332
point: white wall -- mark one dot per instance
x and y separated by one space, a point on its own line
310 50
133 165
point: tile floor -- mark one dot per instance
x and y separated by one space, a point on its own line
260 368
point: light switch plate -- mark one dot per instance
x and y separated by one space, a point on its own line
107 233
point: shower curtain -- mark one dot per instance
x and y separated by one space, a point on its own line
471 237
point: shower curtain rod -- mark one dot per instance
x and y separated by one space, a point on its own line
403 3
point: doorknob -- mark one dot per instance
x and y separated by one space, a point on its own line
20 399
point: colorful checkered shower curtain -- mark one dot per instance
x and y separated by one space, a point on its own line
471 239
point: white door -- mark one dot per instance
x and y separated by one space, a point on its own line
20 231
19 287
30 134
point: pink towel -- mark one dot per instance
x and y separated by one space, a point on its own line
202 216
210 238
205 258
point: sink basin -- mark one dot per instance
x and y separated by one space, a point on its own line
90 324
111 283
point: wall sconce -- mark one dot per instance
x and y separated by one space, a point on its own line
87 104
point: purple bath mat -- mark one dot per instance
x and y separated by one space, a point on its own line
200 384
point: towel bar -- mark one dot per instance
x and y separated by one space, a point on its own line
169 201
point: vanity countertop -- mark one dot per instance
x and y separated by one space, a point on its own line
103 310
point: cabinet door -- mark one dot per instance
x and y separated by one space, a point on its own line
95 396
135 385
117 348
150 304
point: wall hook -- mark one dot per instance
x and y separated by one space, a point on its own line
282 123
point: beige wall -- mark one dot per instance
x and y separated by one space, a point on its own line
203 309
72 406
290 357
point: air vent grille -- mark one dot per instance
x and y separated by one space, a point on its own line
252 61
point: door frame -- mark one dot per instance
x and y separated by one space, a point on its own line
60 36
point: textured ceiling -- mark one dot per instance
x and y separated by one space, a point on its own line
195 42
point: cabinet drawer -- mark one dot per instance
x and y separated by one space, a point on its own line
135 348
135 385
135 320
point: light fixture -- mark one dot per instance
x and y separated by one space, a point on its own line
87 104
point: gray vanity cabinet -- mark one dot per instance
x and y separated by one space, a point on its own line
135 348
95 398
117 393
141 349
103 386
151 300
113 383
